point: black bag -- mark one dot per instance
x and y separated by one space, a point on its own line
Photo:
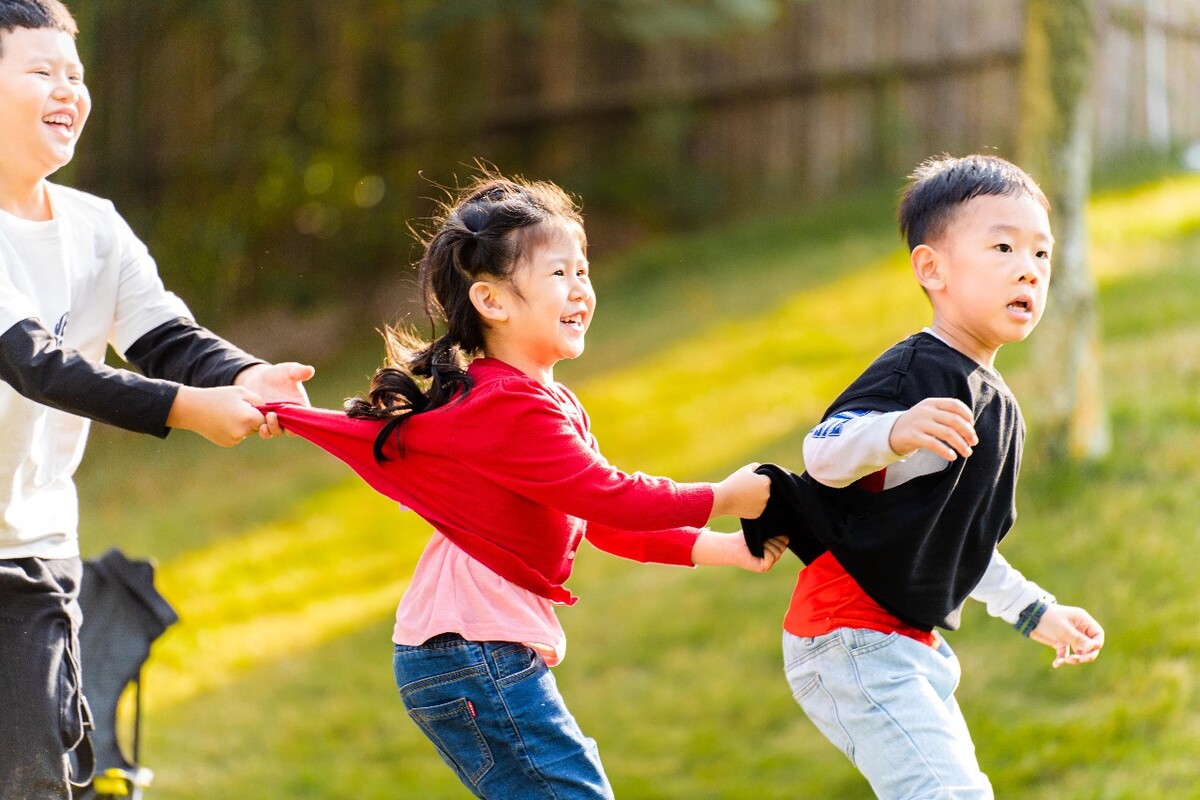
123 614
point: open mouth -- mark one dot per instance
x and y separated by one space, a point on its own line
64 124
1021 307
574 321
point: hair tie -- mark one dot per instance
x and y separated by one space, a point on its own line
474 218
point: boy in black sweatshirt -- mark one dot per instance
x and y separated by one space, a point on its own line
910 485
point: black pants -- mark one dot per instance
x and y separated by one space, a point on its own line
41 695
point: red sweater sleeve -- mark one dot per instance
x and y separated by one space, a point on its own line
649 547
521 436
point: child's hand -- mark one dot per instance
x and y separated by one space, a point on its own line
1074 635
282 383
225 415
743 494
942 425
729 549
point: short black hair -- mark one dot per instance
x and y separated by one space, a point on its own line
35 14
940 185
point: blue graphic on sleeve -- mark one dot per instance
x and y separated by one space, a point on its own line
60 329
832 426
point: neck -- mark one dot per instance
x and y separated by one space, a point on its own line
25 200
966 343
543 373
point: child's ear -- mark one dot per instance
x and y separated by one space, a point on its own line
488 301
927 266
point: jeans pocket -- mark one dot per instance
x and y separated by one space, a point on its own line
452 729
859 641
514 663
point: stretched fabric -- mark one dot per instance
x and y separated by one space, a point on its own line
349 440
513 477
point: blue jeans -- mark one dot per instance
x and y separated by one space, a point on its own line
494 713
887 701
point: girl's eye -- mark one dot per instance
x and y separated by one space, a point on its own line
559 273
1004 248
1043 254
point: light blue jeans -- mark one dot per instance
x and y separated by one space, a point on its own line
494 713
887 701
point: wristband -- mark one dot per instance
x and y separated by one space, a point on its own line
1030 617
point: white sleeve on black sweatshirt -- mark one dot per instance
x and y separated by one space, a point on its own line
853 444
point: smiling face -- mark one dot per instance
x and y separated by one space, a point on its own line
547 304
988 274
43 103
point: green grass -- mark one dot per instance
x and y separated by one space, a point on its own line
708 351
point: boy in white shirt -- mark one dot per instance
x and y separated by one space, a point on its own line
73 279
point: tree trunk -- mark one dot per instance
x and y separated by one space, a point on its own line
1055 147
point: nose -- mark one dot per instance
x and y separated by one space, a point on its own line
1033 271
67 92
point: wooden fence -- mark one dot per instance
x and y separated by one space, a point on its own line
254 145
836 88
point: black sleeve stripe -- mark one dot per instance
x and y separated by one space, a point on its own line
62 378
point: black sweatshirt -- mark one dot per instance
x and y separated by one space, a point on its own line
920 548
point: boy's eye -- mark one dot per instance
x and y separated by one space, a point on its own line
1044 254
1004 248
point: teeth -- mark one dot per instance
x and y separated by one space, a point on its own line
57 119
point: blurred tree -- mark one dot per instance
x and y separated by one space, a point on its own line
1054 138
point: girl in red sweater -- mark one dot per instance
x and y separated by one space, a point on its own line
472 432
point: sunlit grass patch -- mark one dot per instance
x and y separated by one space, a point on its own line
339 562
1147 213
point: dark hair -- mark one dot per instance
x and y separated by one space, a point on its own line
35 14
481 232
939 186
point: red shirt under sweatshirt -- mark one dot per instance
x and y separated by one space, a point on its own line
512 475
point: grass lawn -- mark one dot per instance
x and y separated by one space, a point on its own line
709 350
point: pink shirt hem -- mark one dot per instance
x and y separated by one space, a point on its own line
453 593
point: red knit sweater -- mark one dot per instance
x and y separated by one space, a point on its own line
512 475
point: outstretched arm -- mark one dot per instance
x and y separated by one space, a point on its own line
184 352
33 363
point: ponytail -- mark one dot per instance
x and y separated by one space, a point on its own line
481 234
397 389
